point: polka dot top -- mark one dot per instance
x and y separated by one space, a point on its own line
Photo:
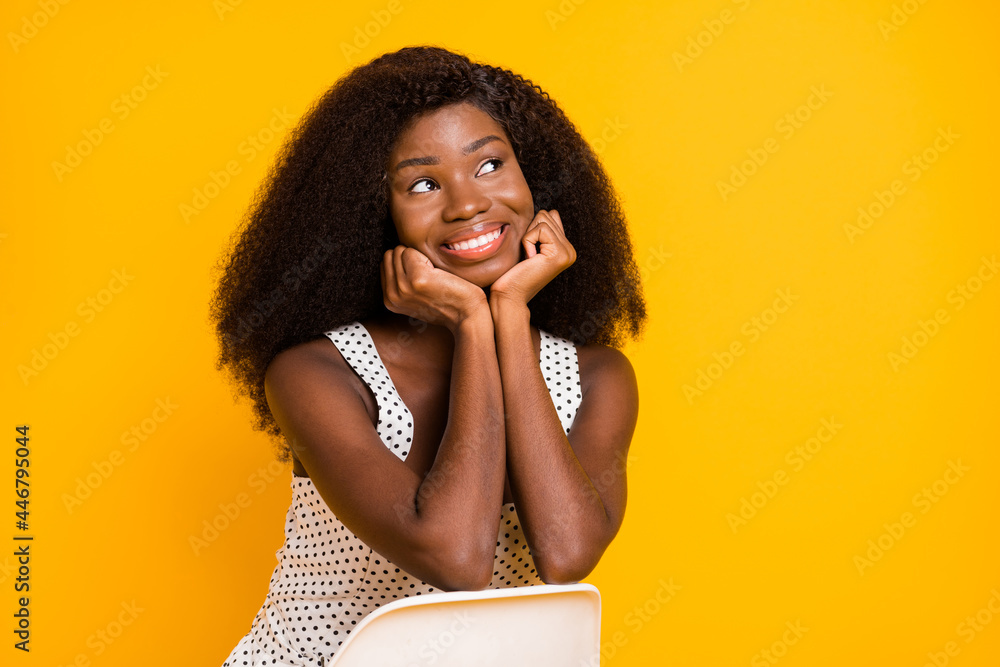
327 579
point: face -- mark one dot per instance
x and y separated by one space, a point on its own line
458 195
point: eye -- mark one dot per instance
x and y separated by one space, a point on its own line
496 160
415 188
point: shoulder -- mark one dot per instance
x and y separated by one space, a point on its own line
605 368
307 367
315 375
319 350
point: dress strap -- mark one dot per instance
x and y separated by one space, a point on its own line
561 368
558 361
395 423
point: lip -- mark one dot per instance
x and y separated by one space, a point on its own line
472 232
483 250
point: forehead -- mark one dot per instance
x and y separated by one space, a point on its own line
447 129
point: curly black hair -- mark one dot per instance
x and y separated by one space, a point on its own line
306 256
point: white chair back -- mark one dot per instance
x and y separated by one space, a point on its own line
547 626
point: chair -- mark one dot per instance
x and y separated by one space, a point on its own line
546 625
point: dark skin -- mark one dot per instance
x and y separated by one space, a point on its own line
458 344
422 376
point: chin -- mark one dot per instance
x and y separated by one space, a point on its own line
481 276
484 281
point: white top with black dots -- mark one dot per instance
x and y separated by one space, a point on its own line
327 579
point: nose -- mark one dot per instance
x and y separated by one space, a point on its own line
465 200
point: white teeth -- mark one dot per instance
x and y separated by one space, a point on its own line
474 243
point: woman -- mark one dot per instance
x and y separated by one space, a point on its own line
451 437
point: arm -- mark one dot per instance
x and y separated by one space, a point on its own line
569 492
442 527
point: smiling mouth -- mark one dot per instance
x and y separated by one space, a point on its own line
479 247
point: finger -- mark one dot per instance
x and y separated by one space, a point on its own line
389 292
529 240
552 242
397 264
529 250
555 244
414 260
555 216
418 267
542 216
553 220
548 238
410 258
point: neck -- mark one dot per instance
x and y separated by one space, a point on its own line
431 342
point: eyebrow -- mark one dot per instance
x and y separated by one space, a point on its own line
433 159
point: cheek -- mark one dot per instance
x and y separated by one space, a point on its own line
529 202
404 219
395 214
516 192
524 196
411 229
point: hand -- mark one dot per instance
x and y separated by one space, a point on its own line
526 278
412 285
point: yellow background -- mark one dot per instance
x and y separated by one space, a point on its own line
668 131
